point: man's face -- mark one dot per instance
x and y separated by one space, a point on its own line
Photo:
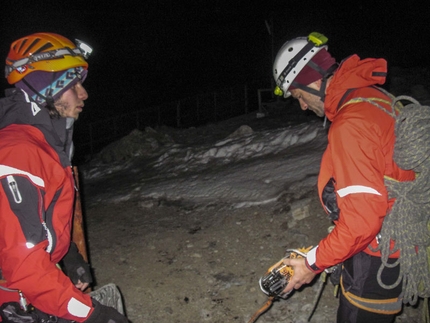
71 102
308 100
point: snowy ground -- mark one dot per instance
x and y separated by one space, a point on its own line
244 168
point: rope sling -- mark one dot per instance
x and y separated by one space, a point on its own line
407 224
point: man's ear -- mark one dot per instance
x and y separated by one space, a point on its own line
318 83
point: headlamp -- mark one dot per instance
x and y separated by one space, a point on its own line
317 39
86 50
277 91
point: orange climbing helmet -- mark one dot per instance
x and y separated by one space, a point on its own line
46 52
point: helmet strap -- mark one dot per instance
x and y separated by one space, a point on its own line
48 99
33 89
307 88
325 73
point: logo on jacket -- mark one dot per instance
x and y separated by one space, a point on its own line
22 69
34 108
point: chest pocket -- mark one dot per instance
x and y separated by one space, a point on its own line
26 201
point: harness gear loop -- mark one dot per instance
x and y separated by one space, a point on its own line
389 306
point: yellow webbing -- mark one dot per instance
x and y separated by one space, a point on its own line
381 306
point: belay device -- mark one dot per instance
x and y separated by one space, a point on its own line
277 278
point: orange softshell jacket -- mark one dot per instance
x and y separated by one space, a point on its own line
359 153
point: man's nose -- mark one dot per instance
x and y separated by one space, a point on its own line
82 93
303 105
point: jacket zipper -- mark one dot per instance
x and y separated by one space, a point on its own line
13 186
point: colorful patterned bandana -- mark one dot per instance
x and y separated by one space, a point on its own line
41 85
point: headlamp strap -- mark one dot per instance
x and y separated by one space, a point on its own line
33 89
293 62
307 89
58 53
324 73
82 49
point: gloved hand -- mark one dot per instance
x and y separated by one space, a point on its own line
75 266
105 314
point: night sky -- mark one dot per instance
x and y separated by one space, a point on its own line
150 51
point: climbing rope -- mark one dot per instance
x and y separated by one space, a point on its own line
407 224
263 309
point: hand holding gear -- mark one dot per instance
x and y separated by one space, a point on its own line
279 275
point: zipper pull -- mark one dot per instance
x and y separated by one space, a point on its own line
22 301
74 179
13 186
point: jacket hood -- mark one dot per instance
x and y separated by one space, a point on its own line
18 108
353 73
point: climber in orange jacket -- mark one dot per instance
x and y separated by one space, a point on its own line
351 180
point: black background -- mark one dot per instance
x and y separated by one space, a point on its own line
146 52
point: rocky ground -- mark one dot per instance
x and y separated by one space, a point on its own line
180 263
185 263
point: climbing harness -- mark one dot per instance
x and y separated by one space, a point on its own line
381 306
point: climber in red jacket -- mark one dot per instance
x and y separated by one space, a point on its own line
351 180
37 187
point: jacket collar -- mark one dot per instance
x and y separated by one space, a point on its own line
353 73
19 108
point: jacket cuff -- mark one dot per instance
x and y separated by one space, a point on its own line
311 258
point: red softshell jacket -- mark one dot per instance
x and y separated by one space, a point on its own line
359 153
36 205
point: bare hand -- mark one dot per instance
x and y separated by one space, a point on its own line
82 286
302 275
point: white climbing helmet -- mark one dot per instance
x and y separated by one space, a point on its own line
293 57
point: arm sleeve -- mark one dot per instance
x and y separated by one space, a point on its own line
25 261
359 167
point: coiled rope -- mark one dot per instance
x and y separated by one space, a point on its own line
407 224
